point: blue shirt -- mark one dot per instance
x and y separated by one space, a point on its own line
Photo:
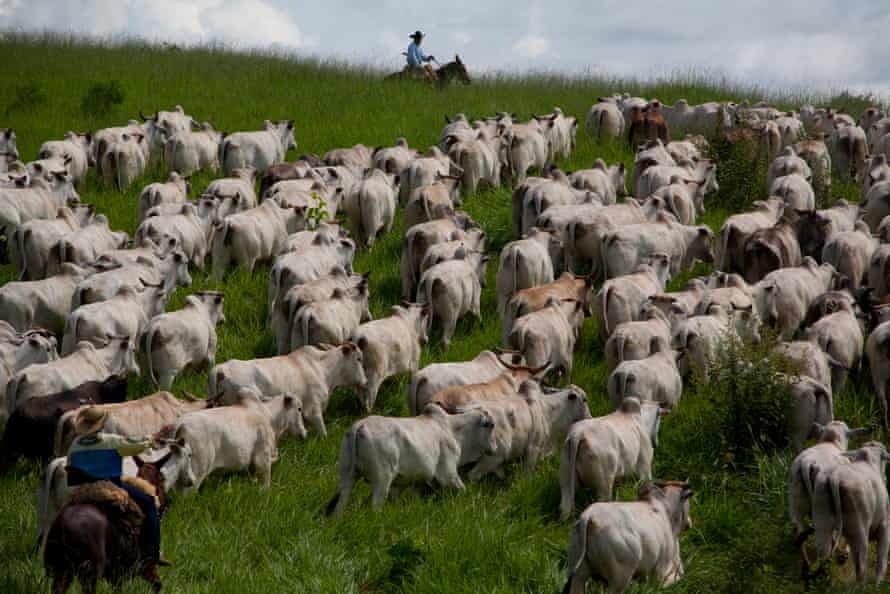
415 55
99 464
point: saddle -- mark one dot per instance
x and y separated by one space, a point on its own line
112 500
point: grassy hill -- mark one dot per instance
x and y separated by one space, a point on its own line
497 536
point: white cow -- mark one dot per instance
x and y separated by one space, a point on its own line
370 206
527 262
391 346
607 182
605 119
615 542
452 289
124 161
332 320
183 225
190 151
325 255
260 149
174 191
75 147
625 248
185 338
43 303
654 378
598 451
547 337
620 299
309 374
86 363
168 272
32 242
86 244
428 447
239 437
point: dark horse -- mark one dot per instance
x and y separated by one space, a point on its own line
445 75
93 542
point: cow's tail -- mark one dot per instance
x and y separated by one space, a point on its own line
858 153
724 246
619 345
838 515
581 528
20 239
348 454
599 130
306 323
117 171
425 201
69 337
43 522
517 258
626 379
607 295
571 447
415 390
148 339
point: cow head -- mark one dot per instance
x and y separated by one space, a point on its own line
570 404
352 369
122 355
213 303
177 471
675 496
474 430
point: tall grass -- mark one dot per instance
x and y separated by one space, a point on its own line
497 536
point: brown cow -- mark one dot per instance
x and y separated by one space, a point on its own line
647 123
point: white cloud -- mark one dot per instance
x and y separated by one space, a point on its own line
461 38
243 23
532 46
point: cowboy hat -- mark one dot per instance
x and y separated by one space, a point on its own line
91 420
416 34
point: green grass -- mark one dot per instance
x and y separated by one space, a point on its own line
497 536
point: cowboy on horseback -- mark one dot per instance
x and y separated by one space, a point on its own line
98 456
416 57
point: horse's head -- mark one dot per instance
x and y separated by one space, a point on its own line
151 473
456 70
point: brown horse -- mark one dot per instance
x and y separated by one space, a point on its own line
445 75
92 542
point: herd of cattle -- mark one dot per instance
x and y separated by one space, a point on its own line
89 308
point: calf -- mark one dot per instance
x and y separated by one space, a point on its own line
481 158
598 451
615 542
654 378
391 346
41 304
423 171
123 161
333 320
260 149
370 206
254 235
787 163
310 374
851 500
529 149
428 447
697 339
526 263
394 159
233 194
174 191
849 149
427 382
679 305
839 335
419 238
452 289
185 338
431 202
547 337
85 245
528 425
242 436
811 403
85 364
620 299
816 227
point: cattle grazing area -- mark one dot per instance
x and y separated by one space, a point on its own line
717 325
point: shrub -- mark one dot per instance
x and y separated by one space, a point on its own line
26 98
750 388
102 98
317 213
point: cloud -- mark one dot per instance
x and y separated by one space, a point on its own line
242 23
461 38
532 46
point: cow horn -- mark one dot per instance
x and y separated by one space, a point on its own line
190 397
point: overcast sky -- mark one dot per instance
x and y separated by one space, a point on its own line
817 44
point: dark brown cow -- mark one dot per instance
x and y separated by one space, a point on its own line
770 249
647 123
284 171
32 426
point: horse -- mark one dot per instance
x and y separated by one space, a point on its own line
92 541
445 75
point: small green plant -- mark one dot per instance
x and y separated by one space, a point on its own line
318 212
102 98
26 98
750 387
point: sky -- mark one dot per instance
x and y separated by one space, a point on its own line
818 45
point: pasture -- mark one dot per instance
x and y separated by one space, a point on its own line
495 537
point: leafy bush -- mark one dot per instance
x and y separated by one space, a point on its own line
26 98
741 175
102 98
318 212
750 388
